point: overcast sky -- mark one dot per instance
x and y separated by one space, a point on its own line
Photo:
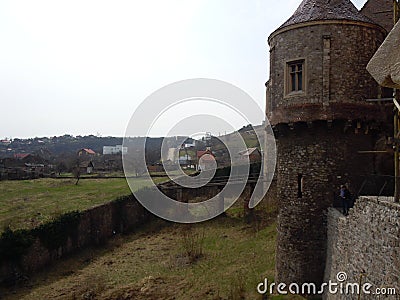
82 67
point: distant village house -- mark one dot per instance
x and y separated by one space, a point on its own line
115 150
205 160
251 155
86 152
86 167
25 166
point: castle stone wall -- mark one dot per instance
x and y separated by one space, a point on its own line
336 81
324 158
366 242
95 227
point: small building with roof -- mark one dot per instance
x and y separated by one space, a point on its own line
251 155
85 151
205 160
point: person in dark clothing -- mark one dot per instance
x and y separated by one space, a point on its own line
346 199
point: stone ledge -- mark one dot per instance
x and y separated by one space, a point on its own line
385 201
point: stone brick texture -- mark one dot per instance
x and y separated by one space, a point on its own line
351 47
326 156
96 226
365 242
320 132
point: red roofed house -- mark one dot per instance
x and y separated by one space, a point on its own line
5 142
85 160
86 151
205 160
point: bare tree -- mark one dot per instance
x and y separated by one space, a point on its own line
76 170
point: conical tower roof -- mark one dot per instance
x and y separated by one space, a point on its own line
316 10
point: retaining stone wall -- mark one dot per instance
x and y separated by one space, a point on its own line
95 227
366 241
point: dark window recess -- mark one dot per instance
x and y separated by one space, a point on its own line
299 185
295 77
387 92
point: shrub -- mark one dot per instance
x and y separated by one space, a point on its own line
14 244
55 234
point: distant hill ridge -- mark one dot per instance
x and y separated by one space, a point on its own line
67 144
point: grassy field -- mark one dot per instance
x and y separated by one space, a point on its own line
29 203
154 264
230 259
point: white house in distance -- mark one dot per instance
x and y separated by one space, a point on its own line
115 149
173 155
190 145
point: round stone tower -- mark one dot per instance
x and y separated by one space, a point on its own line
316 103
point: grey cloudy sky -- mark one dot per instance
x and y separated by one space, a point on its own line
82 67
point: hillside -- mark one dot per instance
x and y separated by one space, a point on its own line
50 147
67 144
